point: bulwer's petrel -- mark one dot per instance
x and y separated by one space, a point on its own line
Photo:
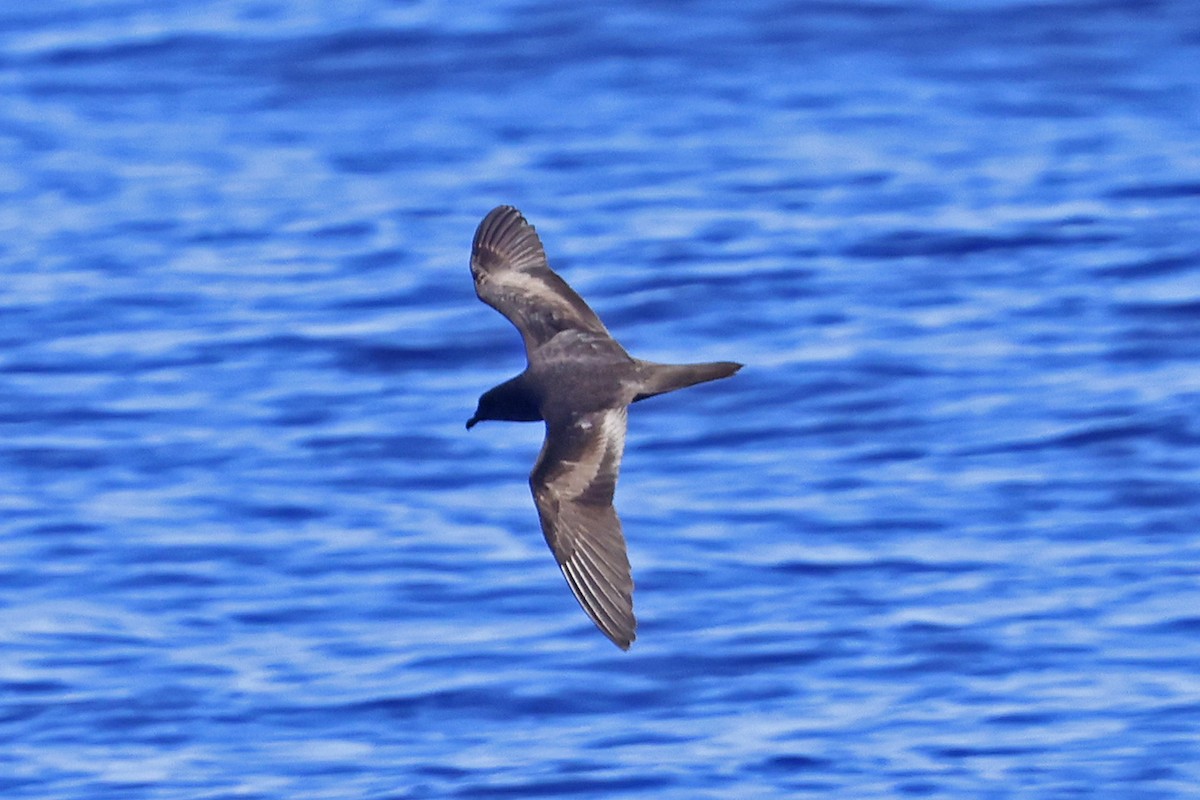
581 382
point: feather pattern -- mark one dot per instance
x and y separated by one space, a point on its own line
581 382
573 484
512 276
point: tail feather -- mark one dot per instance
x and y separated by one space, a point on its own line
662 378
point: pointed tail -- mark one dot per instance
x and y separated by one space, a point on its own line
661 378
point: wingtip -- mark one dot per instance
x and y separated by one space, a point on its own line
505 236
623 639
503 208
505 216
497 216
610 611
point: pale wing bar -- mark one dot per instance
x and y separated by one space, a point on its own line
573 484
512 275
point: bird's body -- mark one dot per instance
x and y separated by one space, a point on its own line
580 381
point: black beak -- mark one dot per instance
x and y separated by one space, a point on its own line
471 422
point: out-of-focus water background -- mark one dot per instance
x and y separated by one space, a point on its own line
940 538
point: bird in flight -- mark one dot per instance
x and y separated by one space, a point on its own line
580 381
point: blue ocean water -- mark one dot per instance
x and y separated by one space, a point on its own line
940 538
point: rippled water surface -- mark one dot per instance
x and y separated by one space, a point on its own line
940 537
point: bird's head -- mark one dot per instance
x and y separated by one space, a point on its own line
508 401
489 407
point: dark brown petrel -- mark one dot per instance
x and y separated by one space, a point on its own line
581 382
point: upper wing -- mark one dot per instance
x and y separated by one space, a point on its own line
573 483
512 276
